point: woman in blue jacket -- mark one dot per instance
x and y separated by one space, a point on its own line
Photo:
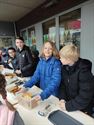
48 72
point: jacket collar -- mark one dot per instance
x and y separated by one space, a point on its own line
21 49
72 68
50 59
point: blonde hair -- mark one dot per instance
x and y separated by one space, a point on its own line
70 51
55 52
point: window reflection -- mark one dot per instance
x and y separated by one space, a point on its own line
6 42
24 35
32 38
49 30
70 28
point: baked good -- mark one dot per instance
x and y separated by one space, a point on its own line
10 75
14 89
27 95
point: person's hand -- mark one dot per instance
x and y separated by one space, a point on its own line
62 104
18 71
9 61
22 90
37 98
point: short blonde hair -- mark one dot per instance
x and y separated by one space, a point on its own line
70 51
54 49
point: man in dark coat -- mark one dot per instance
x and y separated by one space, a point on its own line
77 87
24 59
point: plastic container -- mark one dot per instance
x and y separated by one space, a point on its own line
27 102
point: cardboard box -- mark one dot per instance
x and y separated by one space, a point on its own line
27 101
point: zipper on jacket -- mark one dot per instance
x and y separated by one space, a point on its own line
68 80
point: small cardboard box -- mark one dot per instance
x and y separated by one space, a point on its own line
27 101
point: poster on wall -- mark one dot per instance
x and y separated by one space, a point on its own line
31 36
5 42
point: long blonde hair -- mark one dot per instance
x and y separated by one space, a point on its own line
70 51
55 52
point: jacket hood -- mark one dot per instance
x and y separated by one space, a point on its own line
84 63
81 63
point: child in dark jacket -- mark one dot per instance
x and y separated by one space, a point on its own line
48 72
77 87
25 64
11 61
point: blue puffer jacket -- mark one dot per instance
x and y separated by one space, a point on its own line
48 73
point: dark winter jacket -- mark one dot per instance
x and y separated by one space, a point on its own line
25 62
17 119
48 73
13 62
77 86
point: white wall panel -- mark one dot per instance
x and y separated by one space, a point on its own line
39 35
87 32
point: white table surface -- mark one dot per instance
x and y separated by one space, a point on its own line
31 116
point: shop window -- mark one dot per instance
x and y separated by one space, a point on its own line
6 42
70 28
32 38
49 30
25 36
